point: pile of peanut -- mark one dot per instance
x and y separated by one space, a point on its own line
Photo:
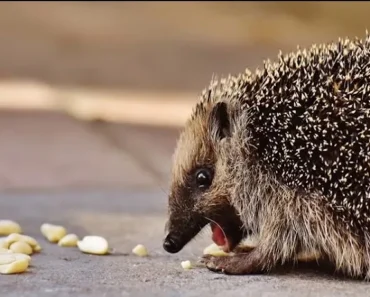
16 248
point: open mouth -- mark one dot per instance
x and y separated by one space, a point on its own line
219 237
227 230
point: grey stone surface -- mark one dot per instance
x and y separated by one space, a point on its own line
151 147
126 219
44 150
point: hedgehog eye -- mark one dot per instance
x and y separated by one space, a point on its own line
203 178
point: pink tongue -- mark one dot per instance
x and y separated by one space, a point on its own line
218 236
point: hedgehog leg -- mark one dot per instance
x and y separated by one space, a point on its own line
239 264
278 244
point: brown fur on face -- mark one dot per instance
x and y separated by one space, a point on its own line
190 208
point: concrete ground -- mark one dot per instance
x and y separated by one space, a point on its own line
98 178
127 218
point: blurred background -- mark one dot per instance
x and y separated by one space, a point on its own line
93 94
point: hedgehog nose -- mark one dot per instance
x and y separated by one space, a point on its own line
170 245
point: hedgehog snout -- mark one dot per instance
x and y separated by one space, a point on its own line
181 231
171 244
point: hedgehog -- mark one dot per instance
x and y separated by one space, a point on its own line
283 154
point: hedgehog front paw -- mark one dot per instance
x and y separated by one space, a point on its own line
238 264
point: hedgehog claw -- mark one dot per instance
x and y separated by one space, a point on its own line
212 266
232 265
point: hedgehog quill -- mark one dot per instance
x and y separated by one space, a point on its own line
283 154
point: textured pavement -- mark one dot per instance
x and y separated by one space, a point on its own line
42 150
127 218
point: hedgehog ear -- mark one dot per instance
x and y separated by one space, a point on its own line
219 121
